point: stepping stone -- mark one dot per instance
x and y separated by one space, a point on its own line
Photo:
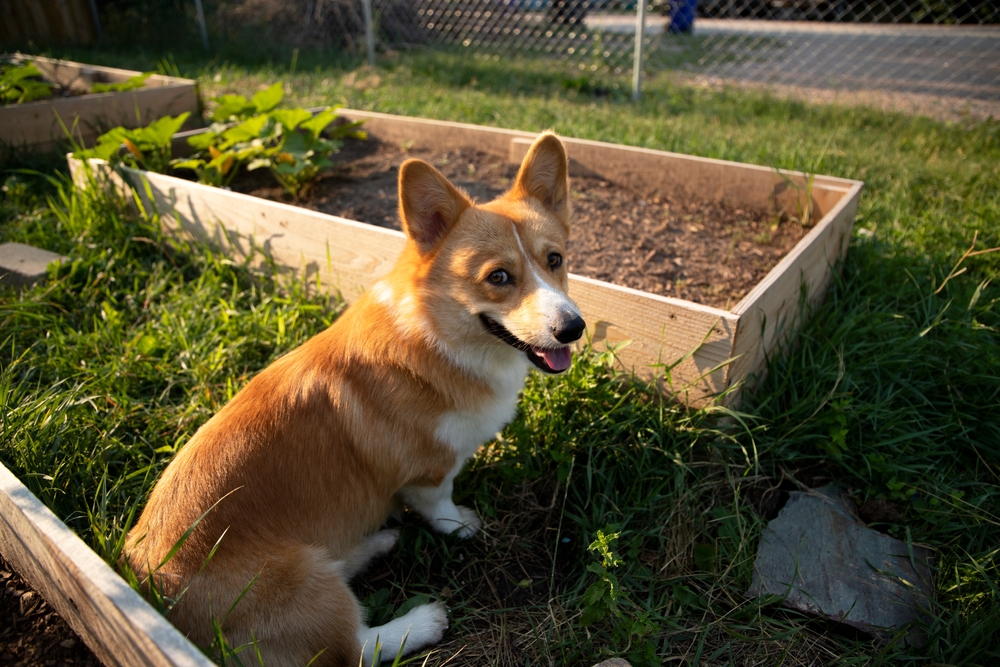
25 265
823 560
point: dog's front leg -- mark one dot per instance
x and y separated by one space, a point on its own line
434 504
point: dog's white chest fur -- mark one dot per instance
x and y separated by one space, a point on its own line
466 430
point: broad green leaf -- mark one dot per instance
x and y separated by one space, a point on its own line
202 141
290 118
133 83
266 100
193 163
318 123
161 130
232 105
245 131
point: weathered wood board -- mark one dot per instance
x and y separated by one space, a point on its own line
39 125
115 622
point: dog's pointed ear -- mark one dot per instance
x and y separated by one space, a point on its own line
429 205
544 174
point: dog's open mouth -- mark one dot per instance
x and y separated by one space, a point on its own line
550 360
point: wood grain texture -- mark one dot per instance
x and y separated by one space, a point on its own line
681 345
115 622
36 125
776 307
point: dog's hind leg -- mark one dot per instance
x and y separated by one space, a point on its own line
419 628
373 546
297 608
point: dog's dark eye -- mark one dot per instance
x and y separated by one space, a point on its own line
499 277
555 260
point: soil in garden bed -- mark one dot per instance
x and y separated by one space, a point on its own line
700 251
31 632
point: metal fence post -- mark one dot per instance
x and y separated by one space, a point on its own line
640 34
201 23
369 32
97 21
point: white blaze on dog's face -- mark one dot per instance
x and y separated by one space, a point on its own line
494 276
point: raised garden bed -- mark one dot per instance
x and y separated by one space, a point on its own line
710 350
38 125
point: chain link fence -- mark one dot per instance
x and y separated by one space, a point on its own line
945 51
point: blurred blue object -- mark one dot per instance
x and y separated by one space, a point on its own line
682 15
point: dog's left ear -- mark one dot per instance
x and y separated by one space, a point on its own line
429 205
544 175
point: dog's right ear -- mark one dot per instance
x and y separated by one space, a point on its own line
429 205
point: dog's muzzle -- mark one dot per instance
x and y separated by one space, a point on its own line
549 360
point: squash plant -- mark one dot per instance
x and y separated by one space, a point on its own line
19 83
293 144
288 142
144 148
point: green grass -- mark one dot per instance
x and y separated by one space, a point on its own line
893 388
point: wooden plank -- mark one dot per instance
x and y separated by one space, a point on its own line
772 310
657 333
115 622
345 254
37 124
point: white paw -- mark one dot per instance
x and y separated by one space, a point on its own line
383 541
464 523
427 625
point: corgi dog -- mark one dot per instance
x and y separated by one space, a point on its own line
288 486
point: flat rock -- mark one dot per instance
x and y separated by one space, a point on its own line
613 662
26 265
823 560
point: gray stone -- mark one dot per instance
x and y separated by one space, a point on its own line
823 560
613 662
24 264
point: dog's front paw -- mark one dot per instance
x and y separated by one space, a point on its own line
465 523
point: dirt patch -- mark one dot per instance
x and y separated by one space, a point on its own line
700 251
31 632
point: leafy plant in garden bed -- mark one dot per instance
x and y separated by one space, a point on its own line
21 82
254 134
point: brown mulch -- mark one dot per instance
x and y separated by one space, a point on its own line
32 634
700 251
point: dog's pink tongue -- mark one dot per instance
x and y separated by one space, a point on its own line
558 359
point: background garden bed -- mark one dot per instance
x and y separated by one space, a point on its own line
41 125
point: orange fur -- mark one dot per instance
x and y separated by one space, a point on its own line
297 473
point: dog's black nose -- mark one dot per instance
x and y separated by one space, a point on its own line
571 330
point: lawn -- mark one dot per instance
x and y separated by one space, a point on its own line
892 389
